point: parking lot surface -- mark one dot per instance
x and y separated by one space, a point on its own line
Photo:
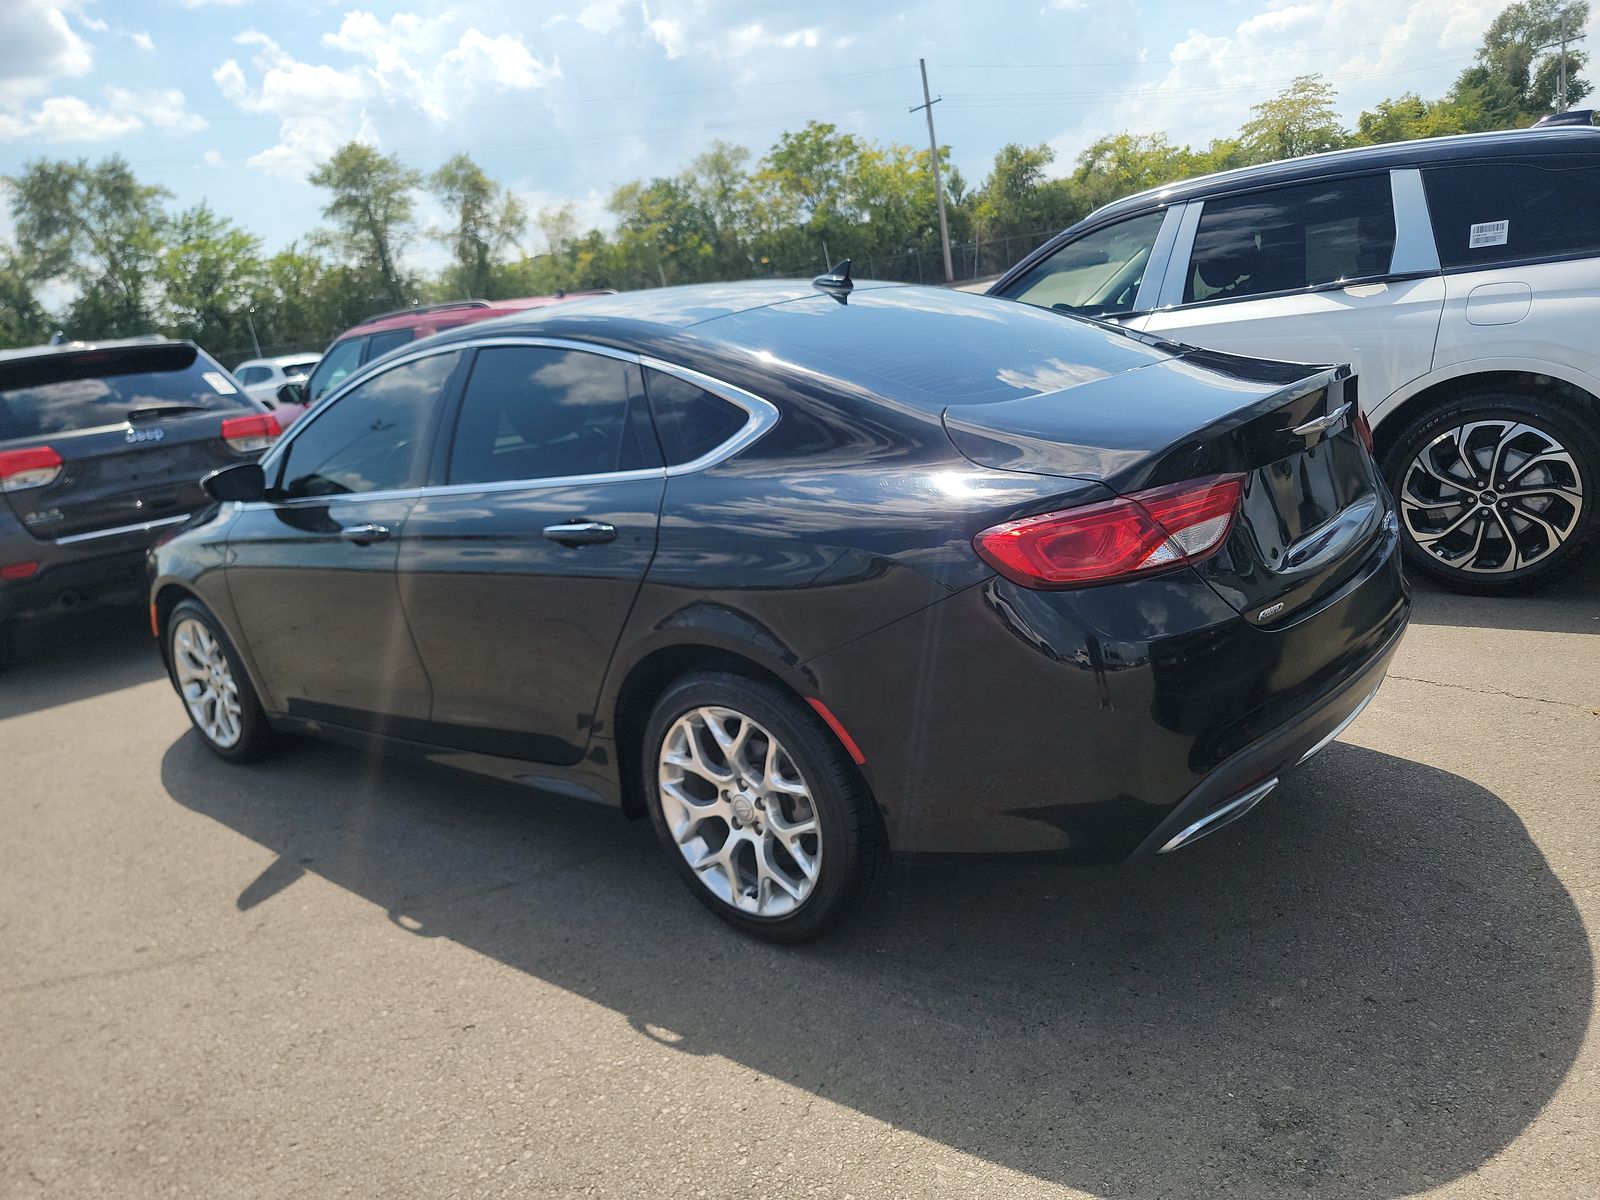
329 975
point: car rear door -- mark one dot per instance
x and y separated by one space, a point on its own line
312 568
1334 271
519 573
131 431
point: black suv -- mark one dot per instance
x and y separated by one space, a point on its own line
102 447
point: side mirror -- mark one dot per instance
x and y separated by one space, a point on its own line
243 481
292 393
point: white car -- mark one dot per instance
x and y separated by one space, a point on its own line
262 377
1460 276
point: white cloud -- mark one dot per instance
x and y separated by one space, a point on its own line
37 47
215 3
668 34
603 16
72 119
212 158
143 41
430 64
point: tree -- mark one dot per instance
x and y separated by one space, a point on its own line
1019 198
1514 80
372 209
1115 166
23 321
1299 120
488 219
210 274
1408 117
97 229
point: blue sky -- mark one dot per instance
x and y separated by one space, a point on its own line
234 101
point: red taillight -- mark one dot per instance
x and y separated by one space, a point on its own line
1147 531
30 468
246 435
23 570
1364 428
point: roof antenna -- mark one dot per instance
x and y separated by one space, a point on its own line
836 282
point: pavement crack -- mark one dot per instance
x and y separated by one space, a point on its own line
1483 691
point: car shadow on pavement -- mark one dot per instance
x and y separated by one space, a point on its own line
1569 605
78 655
1368 988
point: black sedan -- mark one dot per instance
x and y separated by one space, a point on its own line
811 576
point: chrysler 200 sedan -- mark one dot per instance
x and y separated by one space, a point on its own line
811 576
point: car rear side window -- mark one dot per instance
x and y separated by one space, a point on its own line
380 344
690 421
1287 239
249 375
58 393
1497 212
534 412
374 438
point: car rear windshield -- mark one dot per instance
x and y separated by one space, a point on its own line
58 393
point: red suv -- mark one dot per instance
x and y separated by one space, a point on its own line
376 336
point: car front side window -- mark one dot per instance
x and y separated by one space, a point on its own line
374 438
1096 275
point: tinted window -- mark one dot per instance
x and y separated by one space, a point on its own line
56 393
253 374
336 366
1098 274
380 344
690 421
374 438
1498 212
530 412
1293 237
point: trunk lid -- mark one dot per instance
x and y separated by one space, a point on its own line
1312 503
136 428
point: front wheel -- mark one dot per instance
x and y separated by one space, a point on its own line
1496 494
758 807
220 700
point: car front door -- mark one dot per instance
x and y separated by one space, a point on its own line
519 573
1335 271
1105 272
312 568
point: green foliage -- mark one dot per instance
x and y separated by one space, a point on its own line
372 209
817 195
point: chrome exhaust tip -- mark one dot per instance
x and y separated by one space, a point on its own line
1220 816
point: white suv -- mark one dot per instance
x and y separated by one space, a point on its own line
1460 276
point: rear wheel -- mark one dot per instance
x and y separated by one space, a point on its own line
221 703
1496 493
758 807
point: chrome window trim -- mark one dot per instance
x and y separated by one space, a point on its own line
1180 261
763 415
1414 248
1155 270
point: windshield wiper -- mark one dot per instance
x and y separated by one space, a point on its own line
154 412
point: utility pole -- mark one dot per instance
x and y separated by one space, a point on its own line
1561 87
249 319
938 181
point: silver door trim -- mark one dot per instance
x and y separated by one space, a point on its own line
72 539
1155 271
1177 272
1414 248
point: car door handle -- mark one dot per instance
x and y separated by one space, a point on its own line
365 535
581 533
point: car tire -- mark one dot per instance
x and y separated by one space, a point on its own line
1458 528
206 671
739 838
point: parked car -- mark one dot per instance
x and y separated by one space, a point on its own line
102 449
809 577
263 378
1461 277
377 336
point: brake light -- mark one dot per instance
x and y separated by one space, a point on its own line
22 570
30 468
1364 428
1146 531
246 435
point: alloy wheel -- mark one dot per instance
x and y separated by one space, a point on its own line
1492 496
739 811
205 678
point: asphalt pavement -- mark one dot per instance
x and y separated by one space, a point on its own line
329 975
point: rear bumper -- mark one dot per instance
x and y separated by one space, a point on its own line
106 568
1097 725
